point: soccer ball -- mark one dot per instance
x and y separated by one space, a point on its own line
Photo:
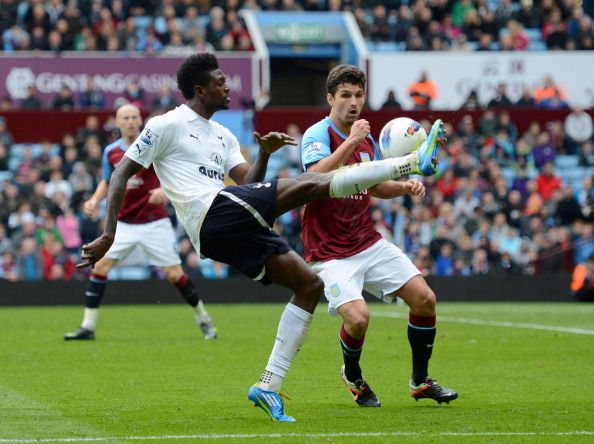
400 137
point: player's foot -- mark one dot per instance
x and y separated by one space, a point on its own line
269 401
361 392
427 152
80 334
432 390
208 329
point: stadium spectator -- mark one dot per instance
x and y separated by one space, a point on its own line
63 100
586 155
134 94
379 30
517 33
547 182
32 101
6 137
582 284
422 92
91 129
501 100
216 28
526 100
568 207
578 130
543 150
554 102
391 102
92 97
472 102
68 224
525 15
547 90
29 260
164 101
55 262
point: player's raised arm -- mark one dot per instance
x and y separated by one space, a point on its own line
269 143
94 251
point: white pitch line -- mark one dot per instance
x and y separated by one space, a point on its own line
289 435
577 331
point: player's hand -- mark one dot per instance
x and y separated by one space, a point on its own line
157 196
94 251
273 141
415 187
89 207
359 131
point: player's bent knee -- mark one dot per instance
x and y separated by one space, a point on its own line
309 292
425 300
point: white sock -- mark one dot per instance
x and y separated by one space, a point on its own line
361 176
292 330
201 313
90 318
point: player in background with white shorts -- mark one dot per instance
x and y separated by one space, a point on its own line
143 222
343 247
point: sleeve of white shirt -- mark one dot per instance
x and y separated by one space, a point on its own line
151 142
235 157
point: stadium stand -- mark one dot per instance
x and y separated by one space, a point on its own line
550 236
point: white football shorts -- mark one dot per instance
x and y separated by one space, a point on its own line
380 270
155 240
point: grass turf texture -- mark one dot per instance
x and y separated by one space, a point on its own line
150 374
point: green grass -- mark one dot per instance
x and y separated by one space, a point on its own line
150 374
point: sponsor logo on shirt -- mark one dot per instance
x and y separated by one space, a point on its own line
365 157
211 173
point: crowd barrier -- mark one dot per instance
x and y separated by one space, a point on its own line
500 288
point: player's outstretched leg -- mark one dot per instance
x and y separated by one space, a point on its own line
361 391
427 151
432 390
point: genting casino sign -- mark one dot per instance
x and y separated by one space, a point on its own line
111 74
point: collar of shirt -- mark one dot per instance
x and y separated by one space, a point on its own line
192 115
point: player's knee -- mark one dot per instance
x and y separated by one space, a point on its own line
357 322
425 301
315 184
173 274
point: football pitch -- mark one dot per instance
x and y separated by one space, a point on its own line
524 371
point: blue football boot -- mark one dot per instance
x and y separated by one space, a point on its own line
427 151
269 401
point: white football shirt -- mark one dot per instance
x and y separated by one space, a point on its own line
191 156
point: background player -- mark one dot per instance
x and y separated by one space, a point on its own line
191 155
143 222
343 246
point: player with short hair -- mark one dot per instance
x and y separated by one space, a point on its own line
349 254
143 222
191 155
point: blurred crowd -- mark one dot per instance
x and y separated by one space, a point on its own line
180 27
502 202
